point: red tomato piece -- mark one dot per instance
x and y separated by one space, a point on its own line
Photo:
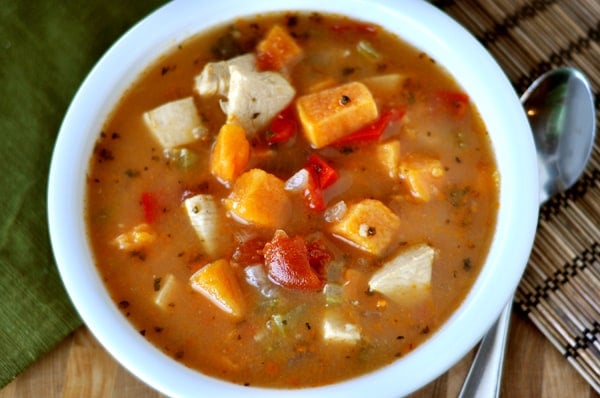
287 263
356 26
249 252
318 257
150 206
455 102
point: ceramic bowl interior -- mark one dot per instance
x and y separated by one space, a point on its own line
417 22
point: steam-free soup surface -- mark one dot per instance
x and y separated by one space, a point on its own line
291 200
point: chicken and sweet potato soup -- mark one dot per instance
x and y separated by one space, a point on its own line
291 200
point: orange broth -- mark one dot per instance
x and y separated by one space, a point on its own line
278 340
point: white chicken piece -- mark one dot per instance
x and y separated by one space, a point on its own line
214 78
250 98
255 98
175 123
406 276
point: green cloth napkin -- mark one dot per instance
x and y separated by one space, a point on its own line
46 50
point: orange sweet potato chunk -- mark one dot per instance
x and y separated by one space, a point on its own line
259 198
217 282
422 176
277 50
328 115
230 154
369 225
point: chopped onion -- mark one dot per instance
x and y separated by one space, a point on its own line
298 182
336 212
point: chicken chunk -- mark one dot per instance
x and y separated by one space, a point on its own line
175 123
255 98
214 78
407 276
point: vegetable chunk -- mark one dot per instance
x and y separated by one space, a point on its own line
166 289
369 225
217 282
407 275
331 114
230 154
288 264
137 238
422 176
260 198
208 220
277 50
175 123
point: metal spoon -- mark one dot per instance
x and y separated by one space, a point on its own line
560 108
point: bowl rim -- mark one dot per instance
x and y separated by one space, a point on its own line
438 35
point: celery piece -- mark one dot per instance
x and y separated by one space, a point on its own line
367 50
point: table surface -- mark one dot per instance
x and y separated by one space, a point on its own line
80 367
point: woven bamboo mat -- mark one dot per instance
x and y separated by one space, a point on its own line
560 290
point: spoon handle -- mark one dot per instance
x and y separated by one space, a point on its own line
483 379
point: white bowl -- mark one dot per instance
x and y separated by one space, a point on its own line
417 22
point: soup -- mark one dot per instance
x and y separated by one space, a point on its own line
289 193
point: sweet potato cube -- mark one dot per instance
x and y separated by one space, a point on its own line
230 154
259 198
136 238
331 114
369 225
217 282
277 50
421 176
175 123
388 156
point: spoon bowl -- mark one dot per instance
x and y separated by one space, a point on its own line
560 107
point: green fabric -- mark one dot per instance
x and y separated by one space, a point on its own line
46 50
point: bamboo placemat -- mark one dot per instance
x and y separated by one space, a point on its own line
560 290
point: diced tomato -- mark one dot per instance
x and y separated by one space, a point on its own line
372 131
355 26
287 263
455 102
283 127
249 252
326 175
318 257
150 206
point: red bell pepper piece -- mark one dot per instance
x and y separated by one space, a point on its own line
372 131
150 206
326 175
320 176
287 263
313 193
282 128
